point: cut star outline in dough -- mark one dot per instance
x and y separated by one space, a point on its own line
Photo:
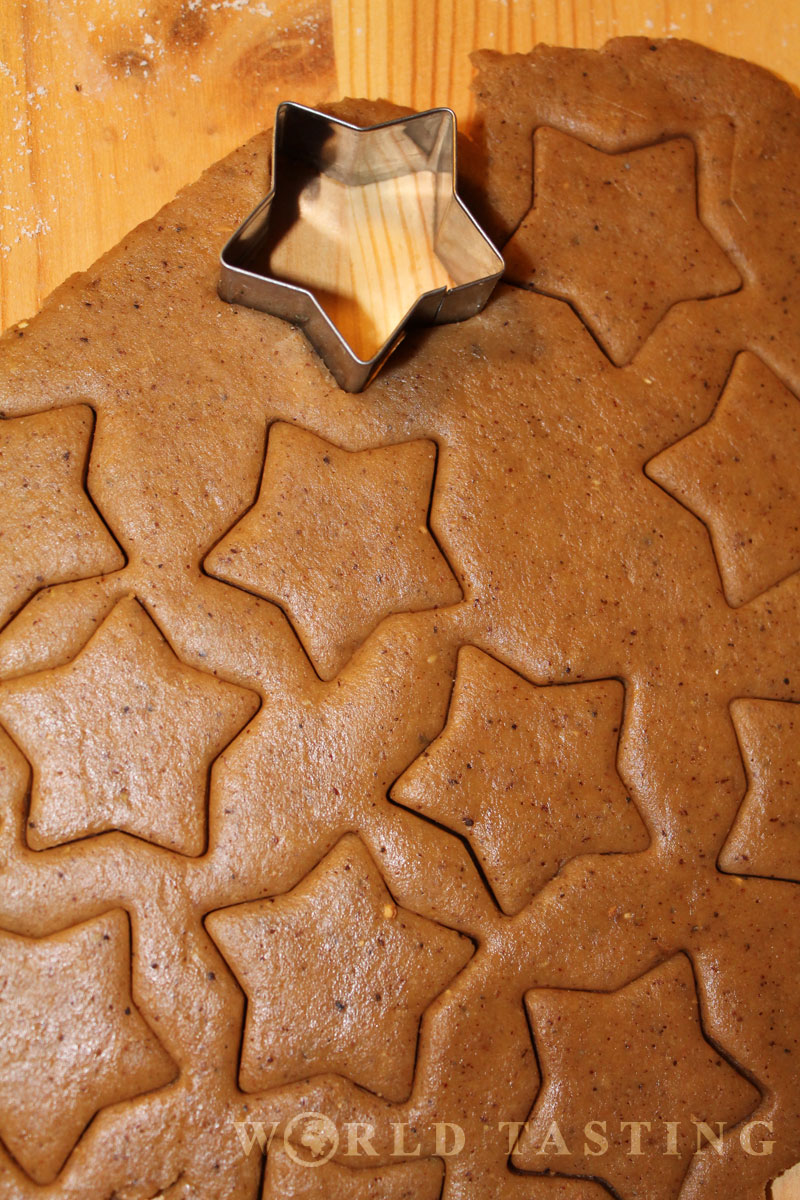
80 1032
339 540
612 1086
708 474
764 839
139 768
45 460
371 965
551 250
538 732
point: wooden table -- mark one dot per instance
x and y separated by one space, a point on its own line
107 107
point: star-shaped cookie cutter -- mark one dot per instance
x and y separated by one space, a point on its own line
361 235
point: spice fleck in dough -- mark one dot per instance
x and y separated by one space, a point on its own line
552 549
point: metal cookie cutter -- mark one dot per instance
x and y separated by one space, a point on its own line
361 235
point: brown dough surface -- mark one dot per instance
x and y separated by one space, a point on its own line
562 555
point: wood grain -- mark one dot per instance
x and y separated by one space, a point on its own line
787 1186
415 52
107 107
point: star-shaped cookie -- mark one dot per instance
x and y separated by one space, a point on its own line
618 236
625 1078
71 1038
340 540
528 774
278 803
337 977
739 474
765 839
49 530
122 737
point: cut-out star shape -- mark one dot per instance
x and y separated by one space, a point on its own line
738 473
337 977
765 839
637 211
71 1039
49 531
122 737
637 1056
528 774
340 540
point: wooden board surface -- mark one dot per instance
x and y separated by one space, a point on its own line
107 107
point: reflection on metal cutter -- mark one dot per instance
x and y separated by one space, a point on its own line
361 235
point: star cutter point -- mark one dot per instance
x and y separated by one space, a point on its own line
361 236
